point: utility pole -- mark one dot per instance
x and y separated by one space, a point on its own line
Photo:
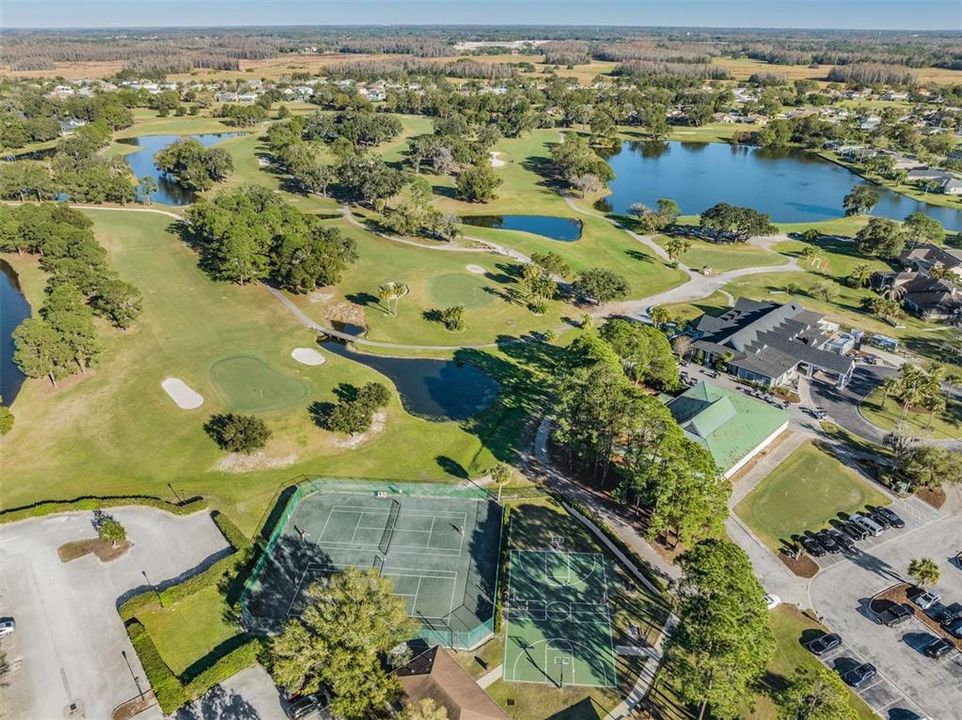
136 679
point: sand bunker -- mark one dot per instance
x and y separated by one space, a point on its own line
308 356
240 463
476 269
496 160
352 441
182 394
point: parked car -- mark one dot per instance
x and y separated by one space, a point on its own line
896 615
954 628
301 708
772 601
945 616
870 526
843 540
8 626
828 542
939 648
812 546
819 413
825 643
925 600
859 676
885 516
853 530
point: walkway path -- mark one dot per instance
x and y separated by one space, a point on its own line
491 677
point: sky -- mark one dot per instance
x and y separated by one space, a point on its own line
835 14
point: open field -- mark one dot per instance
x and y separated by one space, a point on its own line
743 68
722 257
803 493
189 323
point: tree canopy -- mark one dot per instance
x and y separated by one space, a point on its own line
194 166
737 224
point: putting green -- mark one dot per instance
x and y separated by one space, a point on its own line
460 289
247 384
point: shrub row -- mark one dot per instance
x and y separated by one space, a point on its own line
503 554
230 531
167 687
225 667
191 505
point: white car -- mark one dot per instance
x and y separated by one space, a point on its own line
772 601
870 526
925 600
8 626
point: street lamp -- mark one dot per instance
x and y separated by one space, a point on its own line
136 679
176 495
153 587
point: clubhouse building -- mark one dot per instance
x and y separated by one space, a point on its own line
772 344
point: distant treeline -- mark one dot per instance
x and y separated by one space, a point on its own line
913 52
649 68
658 51
410 66
871 74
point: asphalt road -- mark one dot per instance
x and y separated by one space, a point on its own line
842 404
67 650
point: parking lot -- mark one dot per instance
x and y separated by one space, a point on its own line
916 513
69 655
908 680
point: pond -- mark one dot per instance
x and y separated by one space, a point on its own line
789 185
14 309
141 163
555 228
432 389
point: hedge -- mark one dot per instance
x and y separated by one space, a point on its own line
231 533
167 687
503 555
225 667
50 507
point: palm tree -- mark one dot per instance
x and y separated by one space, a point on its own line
812 254
659 316
860 275
924 571
147 186
392 291
892 291
676 247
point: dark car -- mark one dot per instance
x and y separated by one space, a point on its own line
812 546
896 615
843 540
888 517
823 644
827 541
955 628
944 616
853 530
939 648
301 708
861 675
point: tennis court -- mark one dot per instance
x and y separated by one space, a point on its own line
438 543
559 625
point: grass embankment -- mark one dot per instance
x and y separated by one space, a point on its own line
724 257
115 432
946 425
808 489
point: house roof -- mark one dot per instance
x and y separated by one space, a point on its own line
933 254
728 423
435 675
770 339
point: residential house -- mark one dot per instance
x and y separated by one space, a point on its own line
435 675
951 186
926 257
732 426
225 97
70 125
929 298
771 344
927 174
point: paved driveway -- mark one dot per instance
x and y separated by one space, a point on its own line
67 651
249 695
908 679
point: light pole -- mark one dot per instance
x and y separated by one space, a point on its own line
176 495
136 679
153 587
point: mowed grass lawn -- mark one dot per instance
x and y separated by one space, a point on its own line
114 431
946 425
187 630
803 493
722 257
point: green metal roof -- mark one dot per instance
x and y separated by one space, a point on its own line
730 424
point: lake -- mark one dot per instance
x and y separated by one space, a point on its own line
14 309
555 228
141 163
789 185
432 389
